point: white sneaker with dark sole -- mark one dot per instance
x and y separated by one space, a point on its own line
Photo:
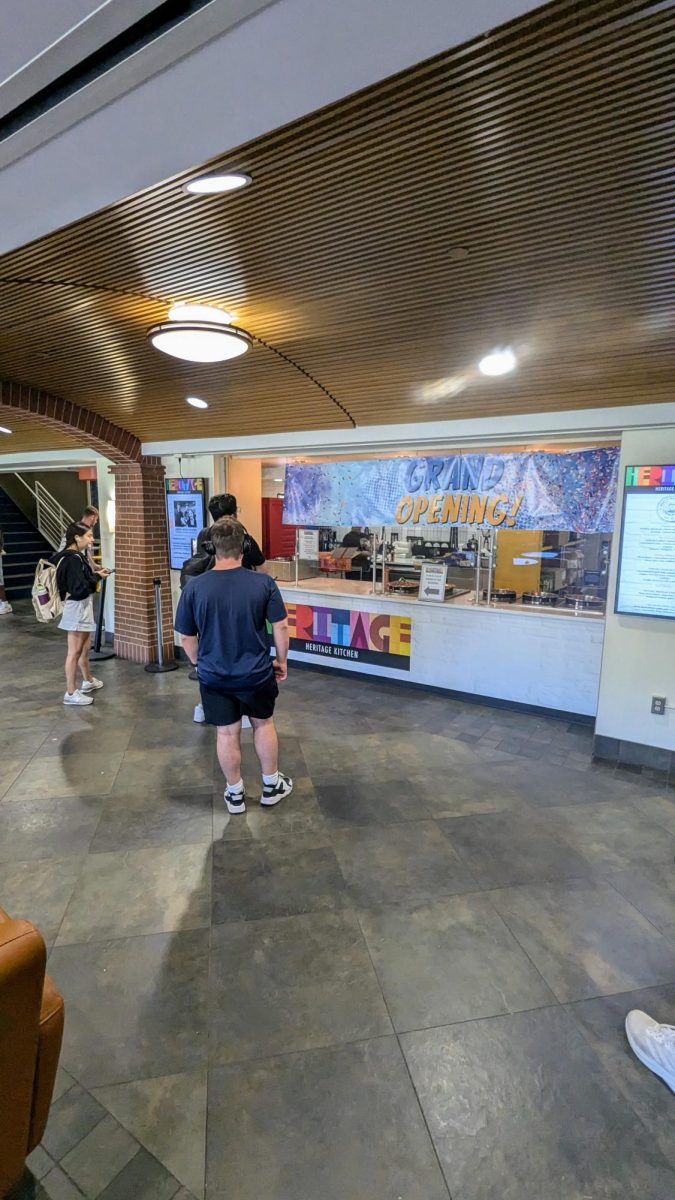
5 608
653 1044
274 792
235 801
77 698
91 685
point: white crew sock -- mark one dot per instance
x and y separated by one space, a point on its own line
271 780
235 789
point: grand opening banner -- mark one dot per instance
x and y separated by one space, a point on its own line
573 490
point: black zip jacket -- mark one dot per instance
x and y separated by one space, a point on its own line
254 558
74 576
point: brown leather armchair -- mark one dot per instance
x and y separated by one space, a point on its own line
31 1028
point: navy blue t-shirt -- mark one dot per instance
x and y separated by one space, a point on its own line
228 610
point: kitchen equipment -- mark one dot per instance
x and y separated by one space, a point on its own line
544 599
585 601
502 595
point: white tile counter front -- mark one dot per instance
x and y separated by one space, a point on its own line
541 657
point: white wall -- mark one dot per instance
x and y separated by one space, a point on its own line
639 655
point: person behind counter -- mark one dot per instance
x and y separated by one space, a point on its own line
357 539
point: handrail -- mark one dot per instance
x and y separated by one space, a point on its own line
52 517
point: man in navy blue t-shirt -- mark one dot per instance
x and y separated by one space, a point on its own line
222 618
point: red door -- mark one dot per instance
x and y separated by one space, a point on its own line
278 539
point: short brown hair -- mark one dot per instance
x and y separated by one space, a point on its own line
227 536
90 511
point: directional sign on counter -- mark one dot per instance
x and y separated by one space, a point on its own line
308 544
432 581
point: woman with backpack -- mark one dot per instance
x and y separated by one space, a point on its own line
77 582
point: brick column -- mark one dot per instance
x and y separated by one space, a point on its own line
141 555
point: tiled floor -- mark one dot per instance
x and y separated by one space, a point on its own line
407 983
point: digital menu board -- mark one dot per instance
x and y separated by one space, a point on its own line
645 585
186 514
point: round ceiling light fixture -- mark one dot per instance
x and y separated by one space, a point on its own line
498 362
217 183
196 402
199 333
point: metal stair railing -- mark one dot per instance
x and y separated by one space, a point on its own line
52 518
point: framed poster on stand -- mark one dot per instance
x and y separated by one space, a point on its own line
186 516
645 580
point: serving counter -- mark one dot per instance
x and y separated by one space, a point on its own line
543 657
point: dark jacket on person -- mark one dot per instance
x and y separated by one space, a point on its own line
74 576
253 558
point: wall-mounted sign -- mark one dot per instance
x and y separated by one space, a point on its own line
343 633
432 581
645 584
308 544
573 490
186 515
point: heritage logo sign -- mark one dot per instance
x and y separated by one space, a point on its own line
342 633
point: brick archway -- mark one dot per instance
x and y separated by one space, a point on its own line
141 551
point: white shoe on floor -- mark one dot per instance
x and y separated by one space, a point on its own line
198 717
653 1044
5 608
235 801
91 685
274 792
77 698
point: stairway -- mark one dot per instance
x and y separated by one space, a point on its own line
23 547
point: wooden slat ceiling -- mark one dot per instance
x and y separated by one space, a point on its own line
513 191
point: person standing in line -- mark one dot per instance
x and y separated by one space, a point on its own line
77 581
90 518
5 606
222 618
225 505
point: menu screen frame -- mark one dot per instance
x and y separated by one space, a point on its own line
185 498
634 485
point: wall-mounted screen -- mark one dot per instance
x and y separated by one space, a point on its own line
186 514
645 585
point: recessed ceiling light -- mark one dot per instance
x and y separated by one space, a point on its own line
216 184
196 402
199 333
4 430
498 362
275 480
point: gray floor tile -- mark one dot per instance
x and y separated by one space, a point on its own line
472 787
142 1179
10 770
513 847
47 826
615 836
136 1006
293 983
70 775
99 1157
658 808
585 938
651 890
154 890
62 1084
450 960
57 1186
129 822
276 878
335 1123
520 1109
166 733
39 891
39 1163
71 1118
411 862
169 769
65 737
168 1117
381 802
602 1024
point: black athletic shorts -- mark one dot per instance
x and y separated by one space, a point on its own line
226 708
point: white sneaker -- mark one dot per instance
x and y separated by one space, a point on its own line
91 685
235 801
77 698
5 608
653 1044
274 792
198 716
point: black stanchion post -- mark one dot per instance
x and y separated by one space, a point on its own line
160 666
98 655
